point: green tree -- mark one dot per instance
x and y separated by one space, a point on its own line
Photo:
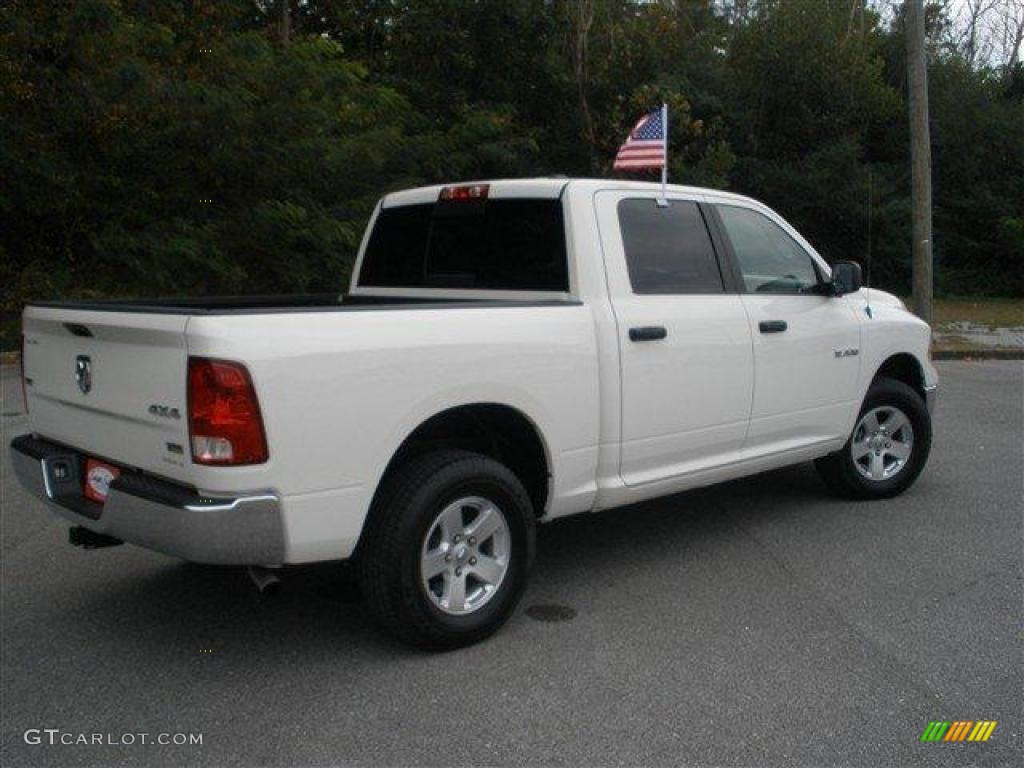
181 147
808 87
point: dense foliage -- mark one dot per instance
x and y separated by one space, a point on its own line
154 147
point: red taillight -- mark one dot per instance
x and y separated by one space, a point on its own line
465 192
224 419
21 361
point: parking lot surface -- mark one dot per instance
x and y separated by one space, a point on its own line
759 622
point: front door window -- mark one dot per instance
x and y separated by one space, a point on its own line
769 260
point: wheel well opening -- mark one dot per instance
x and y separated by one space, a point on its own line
498 431
903 367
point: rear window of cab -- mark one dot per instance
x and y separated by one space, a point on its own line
512 244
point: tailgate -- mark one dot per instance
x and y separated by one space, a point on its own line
111 384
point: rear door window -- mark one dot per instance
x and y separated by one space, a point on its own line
503 244
668 249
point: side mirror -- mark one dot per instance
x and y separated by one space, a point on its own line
846 277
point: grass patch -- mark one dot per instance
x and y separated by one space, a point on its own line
982 325
993 313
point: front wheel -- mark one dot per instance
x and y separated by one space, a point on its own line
888 447
447 550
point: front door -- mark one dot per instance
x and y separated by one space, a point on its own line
806 343
684 341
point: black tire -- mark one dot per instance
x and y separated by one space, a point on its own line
388 561
840 471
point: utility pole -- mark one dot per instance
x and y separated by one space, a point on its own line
920 160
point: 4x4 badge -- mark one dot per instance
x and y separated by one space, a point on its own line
83 373
165 411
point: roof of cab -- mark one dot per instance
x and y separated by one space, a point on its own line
544 187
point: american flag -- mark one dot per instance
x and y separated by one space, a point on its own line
645 145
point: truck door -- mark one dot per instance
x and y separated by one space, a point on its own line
806 343
684 339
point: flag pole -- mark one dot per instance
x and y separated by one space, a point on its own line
663 202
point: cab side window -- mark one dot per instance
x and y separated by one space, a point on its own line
668 250
769 260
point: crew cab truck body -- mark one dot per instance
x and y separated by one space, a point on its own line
508 352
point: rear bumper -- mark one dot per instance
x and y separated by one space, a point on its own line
154 513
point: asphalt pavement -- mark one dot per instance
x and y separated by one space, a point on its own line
761 622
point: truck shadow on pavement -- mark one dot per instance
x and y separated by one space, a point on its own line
212 611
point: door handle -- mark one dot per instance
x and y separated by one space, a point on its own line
772 326
648 333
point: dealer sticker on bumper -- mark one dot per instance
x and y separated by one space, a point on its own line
98 477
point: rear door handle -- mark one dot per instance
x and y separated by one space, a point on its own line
648 333
772 326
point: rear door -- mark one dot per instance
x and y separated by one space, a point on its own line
111 384
684 340
806 343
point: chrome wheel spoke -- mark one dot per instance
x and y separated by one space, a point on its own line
896 423
859 450
488 569
454 596
870 421
877 467
486 524
451 522
434 563
899 450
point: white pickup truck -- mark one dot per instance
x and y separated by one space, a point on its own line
508 352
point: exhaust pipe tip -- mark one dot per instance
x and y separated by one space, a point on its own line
265 580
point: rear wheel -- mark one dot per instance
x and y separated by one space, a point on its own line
448 549
888 447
